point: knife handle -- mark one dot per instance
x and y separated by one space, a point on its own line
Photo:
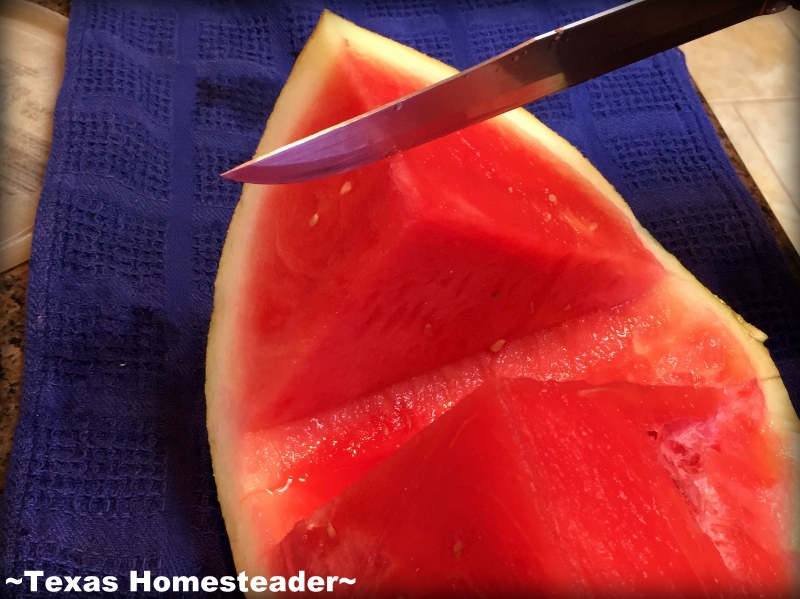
772 6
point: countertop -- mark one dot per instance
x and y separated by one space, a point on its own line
13 289
13 292
14 283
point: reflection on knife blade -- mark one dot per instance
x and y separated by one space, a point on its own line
535 69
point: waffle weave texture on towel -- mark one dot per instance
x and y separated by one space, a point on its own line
110 470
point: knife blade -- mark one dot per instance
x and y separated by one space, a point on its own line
542 66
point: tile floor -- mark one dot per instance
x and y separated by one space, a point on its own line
750 75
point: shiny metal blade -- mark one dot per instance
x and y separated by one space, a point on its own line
537 68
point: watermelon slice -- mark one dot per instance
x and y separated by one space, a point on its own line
352 312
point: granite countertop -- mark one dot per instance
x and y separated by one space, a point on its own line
14 283
13 289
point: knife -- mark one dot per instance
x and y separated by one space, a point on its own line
537 68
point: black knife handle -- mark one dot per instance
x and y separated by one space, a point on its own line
773 6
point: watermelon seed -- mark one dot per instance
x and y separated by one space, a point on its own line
510 190
398 106
652 434
427 328
497 345
547 216
458 548
330 530
496 295
592 226
313 220
552 197
346 187
282 489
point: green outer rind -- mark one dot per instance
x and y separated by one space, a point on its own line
302 87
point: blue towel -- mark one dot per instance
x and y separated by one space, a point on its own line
110 470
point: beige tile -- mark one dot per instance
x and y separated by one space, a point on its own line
790 221
755 59
792 19
760 167
774 125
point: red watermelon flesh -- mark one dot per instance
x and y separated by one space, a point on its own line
660 338
429 261
560 488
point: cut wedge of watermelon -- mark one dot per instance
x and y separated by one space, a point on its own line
352 312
